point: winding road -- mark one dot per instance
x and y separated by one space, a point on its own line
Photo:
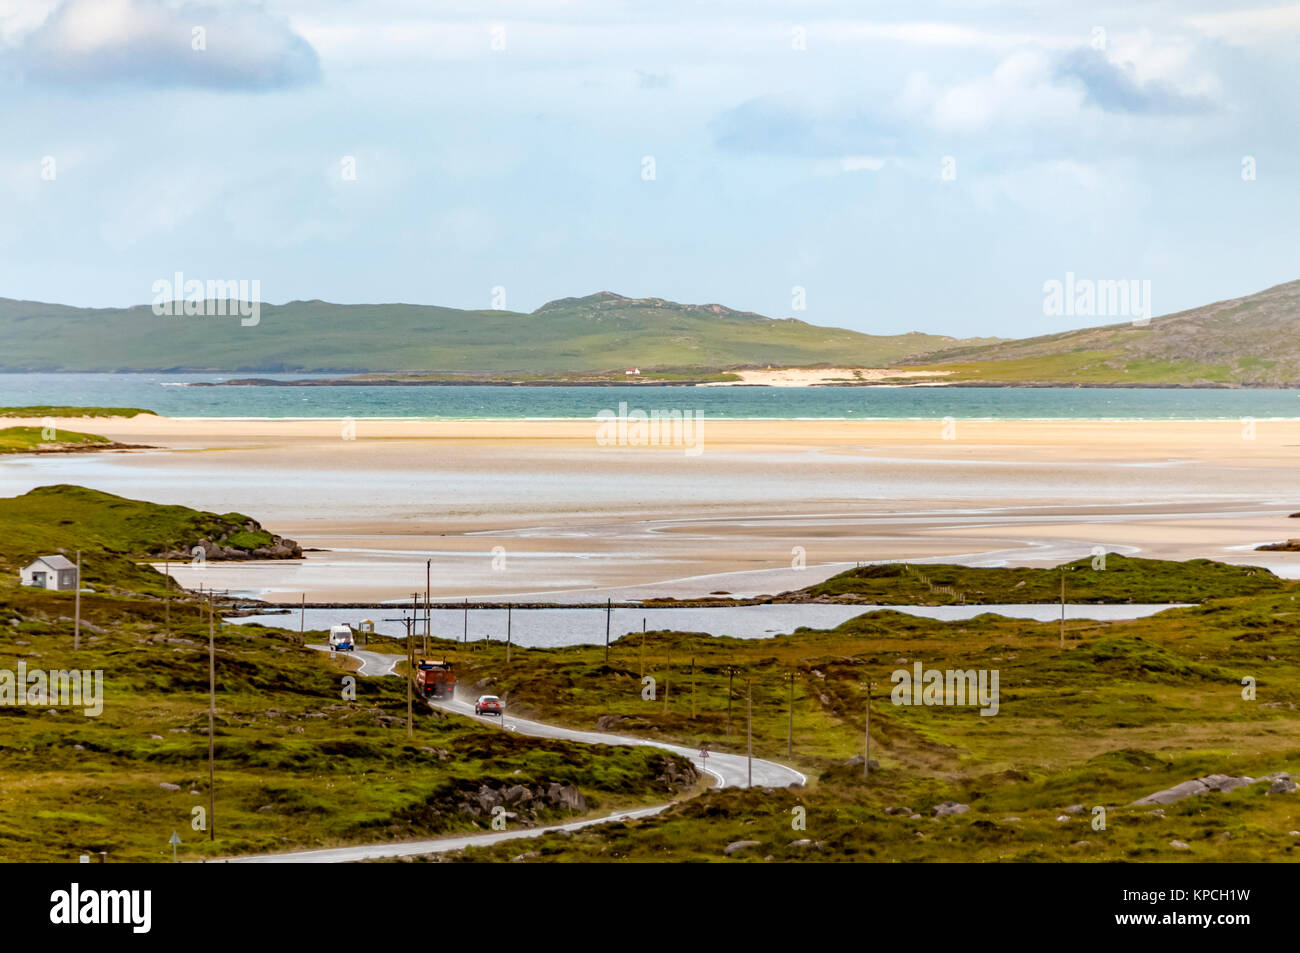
729 770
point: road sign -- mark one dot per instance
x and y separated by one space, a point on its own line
174 840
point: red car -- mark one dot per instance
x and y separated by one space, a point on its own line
488 705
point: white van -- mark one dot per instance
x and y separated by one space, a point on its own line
341 638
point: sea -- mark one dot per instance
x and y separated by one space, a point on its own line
185 395
555 628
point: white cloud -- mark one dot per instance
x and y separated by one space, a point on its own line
1262 26
147 42
942 35
1021 90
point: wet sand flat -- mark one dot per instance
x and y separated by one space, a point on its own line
513 507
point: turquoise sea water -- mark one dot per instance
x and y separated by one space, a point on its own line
173 396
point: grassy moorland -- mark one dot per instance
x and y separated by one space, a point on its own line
1124 710
298 764
1120 711
116 535
50 410
1119 579
32 440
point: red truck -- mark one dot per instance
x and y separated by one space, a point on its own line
435 679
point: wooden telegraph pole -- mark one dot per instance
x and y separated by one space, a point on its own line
643 646
212 717
167 599
410 678
465 635
1062 608
749 733
731 673
692 688
508 608
667 668
76 614
789 731
302 624
866 761
428 619
608 610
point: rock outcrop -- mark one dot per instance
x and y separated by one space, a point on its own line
523 800
246 541
1281 784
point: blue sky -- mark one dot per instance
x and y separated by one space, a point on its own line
794 144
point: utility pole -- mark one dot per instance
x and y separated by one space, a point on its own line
749 733
667 668
866 761
410 677
76 620
608 610
212 716
692 688
302 625
413 628
507 633
731 672
1062 608
428 620
789 732
167 599
643 646
465 636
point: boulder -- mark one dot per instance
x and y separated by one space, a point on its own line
736 846
948 808
571 798
1211 782
516 794
1282 786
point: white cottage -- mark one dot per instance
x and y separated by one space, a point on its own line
50 572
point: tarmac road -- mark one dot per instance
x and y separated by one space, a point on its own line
372 663
729 770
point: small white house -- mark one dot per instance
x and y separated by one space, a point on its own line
50 572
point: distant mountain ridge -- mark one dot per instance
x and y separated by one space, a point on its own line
603 331
1249 341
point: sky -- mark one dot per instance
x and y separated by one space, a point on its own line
882 167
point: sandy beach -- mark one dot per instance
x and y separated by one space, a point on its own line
545 509
819 376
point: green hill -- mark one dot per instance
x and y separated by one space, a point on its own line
1119 579
116 536
1248 341
599 332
